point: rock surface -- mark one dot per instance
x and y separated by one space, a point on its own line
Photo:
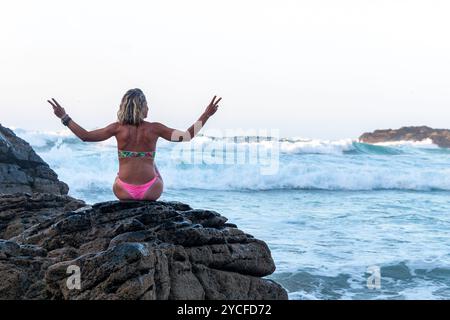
440 137
127 250
22 170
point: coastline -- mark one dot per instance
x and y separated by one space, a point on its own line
123 250
368 189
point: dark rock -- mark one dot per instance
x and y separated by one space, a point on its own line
440 137
226 285
132 250
129 226
21 211
206 218
8 249
22 170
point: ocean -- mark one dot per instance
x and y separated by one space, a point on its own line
343 219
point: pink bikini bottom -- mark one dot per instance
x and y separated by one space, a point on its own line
136 191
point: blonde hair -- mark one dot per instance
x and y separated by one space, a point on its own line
132 107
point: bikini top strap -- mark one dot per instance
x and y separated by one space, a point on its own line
129 154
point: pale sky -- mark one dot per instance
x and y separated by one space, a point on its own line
316 69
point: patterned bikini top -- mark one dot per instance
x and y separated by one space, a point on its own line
136 154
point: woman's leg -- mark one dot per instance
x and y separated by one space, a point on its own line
153 193
156 189
157 172
119 192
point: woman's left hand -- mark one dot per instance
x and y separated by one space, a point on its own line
57 109
212 107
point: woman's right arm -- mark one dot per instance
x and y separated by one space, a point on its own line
84 135
175 135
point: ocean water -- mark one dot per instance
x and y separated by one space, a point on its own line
331 212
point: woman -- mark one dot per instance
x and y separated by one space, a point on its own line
138 178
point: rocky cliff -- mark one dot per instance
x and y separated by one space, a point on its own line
123 250
21 169
127 250
440 137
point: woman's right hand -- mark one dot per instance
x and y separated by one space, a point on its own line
57 109
212 107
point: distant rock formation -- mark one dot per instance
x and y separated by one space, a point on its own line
440 137
22 170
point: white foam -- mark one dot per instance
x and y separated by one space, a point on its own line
307 175
86 164
40 138
317 146
427 143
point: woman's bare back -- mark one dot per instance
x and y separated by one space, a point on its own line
136 170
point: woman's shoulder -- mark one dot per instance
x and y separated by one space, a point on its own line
144 126
153 123
113 127
149 127
153 126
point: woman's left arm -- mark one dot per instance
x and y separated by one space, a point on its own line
94 135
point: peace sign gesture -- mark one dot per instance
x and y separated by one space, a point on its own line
57 109
212 107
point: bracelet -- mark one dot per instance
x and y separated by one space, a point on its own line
65 119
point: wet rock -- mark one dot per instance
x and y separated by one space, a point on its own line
128 250
20 211
22 170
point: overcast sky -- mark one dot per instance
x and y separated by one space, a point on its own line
318 69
